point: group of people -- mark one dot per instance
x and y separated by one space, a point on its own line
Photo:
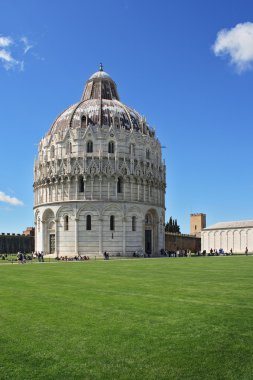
39 256
218 252
221 252
24 257
75 258
178 253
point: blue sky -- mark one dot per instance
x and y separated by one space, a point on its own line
168 64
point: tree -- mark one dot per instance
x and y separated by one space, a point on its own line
172 226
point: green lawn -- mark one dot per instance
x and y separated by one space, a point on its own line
184 318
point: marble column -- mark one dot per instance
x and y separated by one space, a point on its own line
76 186
108 182
100 187
116 188
143 234
56 190
69 183
124 236
100 236
92 187
84 187
76 236
35 235
131 188
43 226
62 189
124 184
56 237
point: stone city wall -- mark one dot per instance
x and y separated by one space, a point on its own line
174 242
12 243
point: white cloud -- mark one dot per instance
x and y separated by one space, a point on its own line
11 200
6 56
27 46
9 62
5 41
13 52
237 43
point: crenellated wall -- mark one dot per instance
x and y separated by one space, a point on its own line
12 243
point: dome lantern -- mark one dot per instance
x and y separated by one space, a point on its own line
100 86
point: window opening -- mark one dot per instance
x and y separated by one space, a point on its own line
89 147
111 147
88 222
81 185
112 223
83 121
134 223
119 185
66 223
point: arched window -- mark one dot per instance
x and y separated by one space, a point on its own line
81 185
89 147
133 223
112 224
83 121
148 154
88 222
116 122
68 147
119 185
111 147
52 151
66 223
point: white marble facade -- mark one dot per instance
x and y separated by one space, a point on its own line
236 235
99 180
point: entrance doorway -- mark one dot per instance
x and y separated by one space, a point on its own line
148 242
52 243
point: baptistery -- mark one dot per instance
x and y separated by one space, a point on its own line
99 179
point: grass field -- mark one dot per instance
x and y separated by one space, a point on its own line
128 319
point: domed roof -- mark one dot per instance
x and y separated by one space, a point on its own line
99 105
100 74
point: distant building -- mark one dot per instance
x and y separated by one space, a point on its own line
197 224
30 231
228 235
99 180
